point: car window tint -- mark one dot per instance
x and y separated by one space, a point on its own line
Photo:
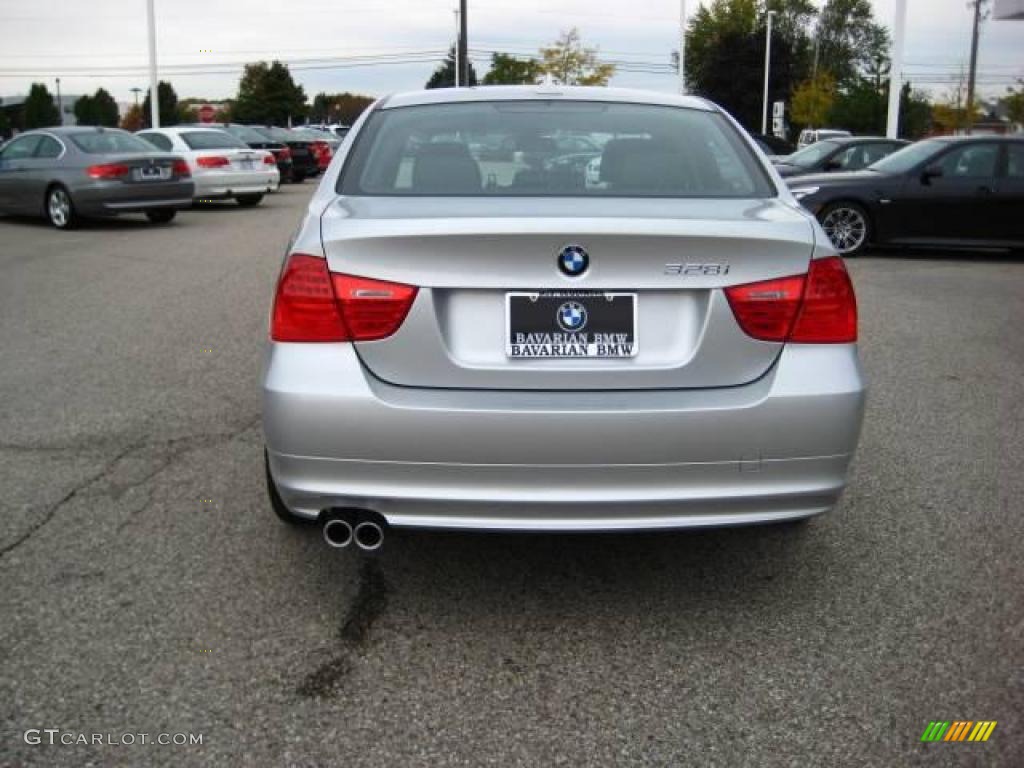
109 142
158 140
48 148
1015 168
975 161
211 140
21 148
552 148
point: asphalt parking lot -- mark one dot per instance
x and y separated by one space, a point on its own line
147 587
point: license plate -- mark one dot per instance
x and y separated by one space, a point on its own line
570 324
245 163
151 173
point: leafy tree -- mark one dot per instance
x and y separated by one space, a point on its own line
268 94
98 109
5 125
444 75
915 113
1014 103
850 41
725 54
570 62
40 109
813 100
167 104
133 119
344 108
508 70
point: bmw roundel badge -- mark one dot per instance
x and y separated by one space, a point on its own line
573 260
572 317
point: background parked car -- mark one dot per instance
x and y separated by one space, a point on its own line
256 140
69 173
840 154
952 191
772 146
222 166
809 136
322 144
304 162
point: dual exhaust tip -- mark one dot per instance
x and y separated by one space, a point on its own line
367 535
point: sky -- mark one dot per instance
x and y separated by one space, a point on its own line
93 43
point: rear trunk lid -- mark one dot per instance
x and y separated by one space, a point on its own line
468 255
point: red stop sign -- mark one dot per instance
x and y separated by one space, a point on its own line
206 113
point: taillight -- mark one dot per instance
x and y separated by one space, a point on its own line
269 160
215 161
180 168
312 304
816 308
107 171
828 314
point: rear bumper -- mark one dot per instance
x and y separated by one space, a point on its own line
217 185
106 199
775 449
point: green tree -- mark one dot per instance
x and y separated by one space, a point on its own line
444 75
849 40
725 44
167 104
508 70
570 62
98 109
40 109
268 94
5 125
344 108
1014 103
915 113
813 99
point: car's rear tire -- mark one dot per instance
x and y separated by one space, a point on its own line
848 227
59 209
276 502
161 215
248 201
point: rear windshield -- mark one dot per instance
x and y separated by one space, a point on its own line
110 143
246 134
552 148
808 156
211 140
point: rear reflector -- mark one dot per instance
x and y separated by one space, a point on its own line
107 171
212 162
181 168
816 308
312 304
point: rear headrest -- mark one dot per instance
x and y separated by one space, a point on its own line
445 168
650 164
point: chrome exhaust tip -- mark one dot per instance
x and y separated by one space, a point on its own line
337 533
369 536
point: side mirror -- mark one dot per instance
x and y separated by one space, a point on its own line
931 172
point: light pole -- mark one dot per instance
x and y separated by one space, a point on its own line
682 46
154 99
463 46
767 69
458 48
892 123
136 91
60 107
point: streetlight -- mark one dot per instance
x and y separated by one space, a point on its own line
136 91
767 67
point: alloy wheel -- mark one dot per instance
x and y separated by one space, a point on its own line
59 207
847 228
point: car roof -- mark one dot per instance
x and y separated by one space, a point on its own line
541 92
862 139
68 130
976 137
181 128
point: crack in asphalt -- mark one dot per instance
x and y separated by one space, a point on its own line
173 449
354 634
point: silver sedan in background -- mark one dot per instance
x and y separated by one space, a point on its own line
70 173
460 341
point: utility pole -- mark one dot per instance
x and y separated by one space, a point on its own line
60 107
682 47
974 64
767 69
463 55
154 100
892 123
458 60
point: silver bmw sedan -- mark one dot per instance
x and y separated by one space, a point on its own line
470 330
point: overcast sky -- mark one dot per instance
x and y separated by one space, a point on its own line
95 43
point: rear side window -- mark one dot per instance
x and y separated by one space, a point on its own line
109 143
211 140
552 148
158 140
48 148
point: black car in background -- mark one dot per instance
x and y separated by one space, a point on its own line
304 160
839 154
256 140
961 192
